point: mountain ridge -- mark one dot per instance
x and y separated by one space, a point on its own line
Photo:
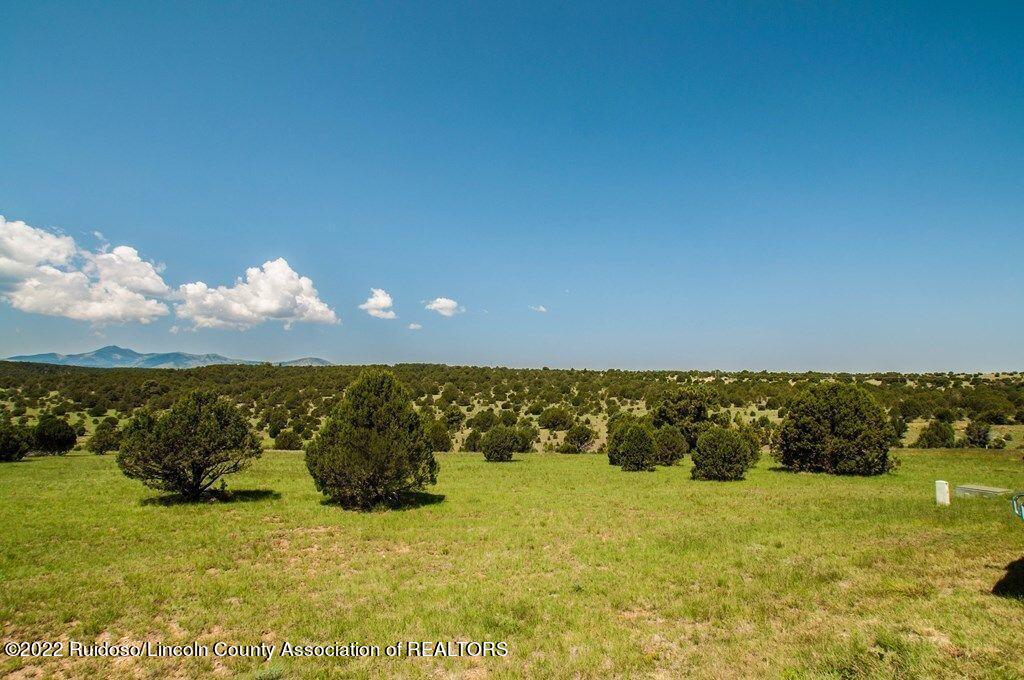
113 356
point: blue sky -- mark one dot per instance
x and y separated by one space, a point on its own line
722 185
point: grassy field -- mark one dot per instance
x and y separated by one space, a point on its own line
585 571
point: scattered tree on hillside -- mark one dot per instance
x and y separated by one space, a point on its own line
437 435
670 445
978 434
287 440
634 447
472 442
373 449
53 435
938 434
14 441
835 428
555 418
499 443
106 437
723 454
686 408
188 448
578 439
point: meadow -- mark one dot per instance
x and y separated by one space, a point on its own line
584 570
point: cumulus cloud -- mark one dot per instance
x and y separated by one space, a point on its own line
124 267
444 306
378 304
539 308
272 292
415 326
23 248
76 295
46 273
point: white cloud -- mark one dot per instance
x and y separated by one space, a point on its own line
415 327
46 273
539 308
43 272
76 295
123 266
378 304
23 248
444 306
273 292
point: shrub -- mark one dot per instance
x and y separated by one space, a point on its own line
483 421
994 418
472 442
288 440
687 408
616 426
190 447
107 437
453 417
977 434
500 443
899 427
276 422
53 435
835 428
723 454
437 435
14 441
938 434
577 439
634 448
527 436
669 445
373 449
555 418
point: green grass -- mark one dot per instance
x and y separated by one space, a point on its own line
586 571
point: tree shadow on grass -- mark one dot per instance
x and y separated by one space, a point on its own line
415 499
410 500
1011 585
239 496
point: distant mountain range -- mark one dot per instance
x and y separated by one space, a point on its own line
119 357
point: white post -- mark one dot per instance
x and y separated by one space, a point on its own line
941 492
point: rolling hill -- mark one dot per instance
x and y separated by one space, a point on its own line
113 356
